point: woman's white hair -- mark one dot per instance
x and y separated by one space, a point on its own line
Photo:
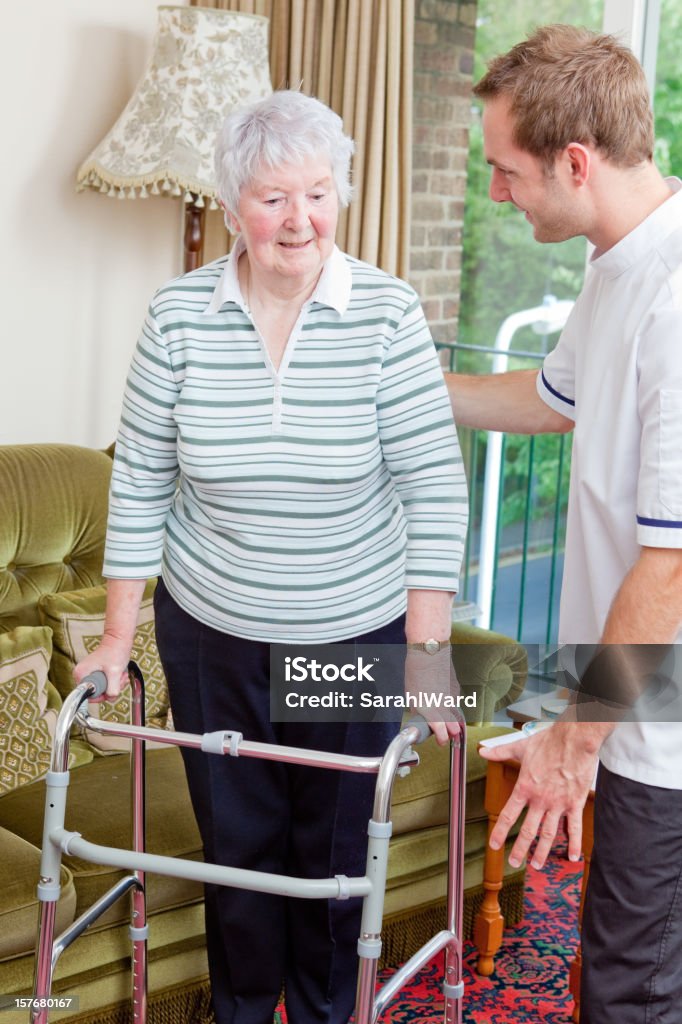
284 128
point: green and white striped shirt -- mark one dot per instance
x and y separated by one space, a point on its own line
296 504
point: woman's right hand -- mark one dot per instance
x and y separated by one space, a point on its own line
111 657
113 654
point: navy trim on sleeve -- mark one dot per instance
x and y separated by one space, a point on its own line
552 391
669 524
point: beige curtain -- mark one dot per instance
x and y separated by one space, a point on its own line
356 56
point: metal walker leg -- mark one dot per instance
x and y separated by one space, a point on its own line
49 948
139 929
369 1005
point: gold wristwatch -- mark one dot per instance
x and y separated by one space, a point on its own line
429 646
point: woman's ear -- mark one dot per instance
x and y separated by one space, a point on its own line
231 222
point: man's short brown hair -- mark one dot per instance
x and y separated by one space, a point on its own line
567 84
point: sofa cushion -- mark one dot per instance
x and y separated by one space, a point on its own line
415 856
76 619
28 706
418 867
98 806
18 900
53 513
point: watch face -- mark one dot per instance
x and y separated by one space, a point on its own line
432 646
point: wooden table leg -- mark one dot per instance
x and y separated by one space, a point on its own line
501 777
489 924
588 842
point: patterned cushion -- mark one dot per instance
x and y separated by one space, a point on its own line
77 622
28 706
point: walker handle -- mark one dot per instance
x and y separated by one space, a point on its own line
422 726
98 681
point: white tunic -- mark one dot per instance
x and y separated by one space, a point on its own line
617 371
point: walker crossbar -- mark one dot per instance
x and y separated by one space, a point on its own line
90 915
406 973
337 888
235 746
398 758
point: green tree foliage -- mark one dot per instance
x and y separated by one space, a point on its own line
668 90
504 269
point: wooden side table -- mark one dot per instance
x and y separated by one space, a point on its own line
489 924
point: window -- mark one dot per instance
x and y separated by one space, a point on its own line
668 90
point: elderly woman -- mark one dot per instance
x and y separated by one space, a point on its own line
288 465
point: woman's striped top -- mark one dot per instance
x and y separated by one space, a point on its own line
290 505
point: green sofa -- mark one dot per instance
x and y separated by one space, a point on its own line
53 501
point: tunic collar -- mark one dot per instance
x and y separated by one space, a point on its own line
639 242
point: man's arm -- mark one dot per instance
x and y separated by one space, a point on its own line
648 606
503 401
557 765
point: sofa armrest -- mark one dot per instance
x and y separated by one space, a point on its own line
491 665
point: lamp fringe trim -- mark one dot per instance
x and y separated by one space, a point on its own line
94 176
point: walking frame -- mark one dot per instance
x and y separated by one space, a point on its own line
399 758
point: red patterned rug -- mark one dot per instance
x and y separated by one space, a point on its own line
530 983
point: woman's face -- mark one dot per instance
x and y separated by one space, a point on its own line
287 218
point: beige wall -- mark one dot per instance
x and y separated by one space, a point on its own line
77 270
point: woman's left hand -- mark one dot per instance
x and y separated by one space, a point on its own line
429 616
431 678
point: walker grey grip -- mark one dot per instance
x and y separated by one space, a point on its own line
99 681
423 727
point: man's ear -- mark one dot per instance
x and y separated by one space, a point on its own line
579 161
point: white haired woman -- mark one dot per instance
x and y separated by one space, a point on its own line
287 464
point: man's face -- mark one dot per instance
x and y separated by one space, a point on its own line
520 178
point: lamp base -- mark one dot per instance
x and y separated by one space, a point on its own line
194 235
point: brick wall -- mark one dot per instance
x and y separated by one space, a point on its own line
443 68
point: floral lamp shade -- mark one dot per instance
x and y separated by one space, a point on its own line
205 62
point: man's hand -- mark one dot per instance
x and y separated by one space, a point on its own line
557 772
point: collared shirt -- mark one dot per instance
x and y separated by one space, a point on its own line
332 289
296 503
617 371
